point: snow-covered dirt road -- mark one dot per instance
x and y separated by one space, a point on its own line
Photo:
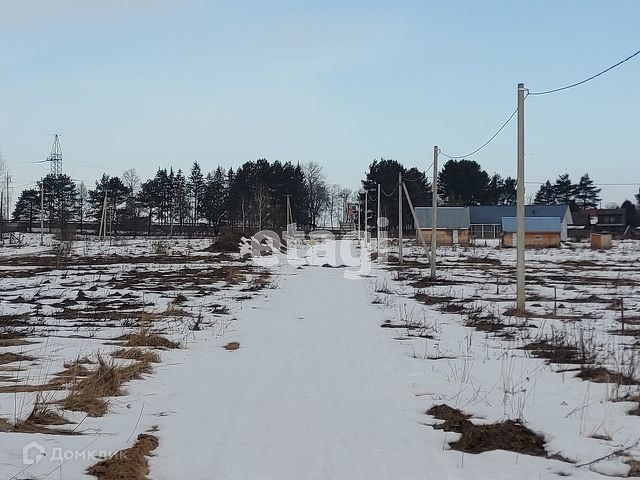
316 390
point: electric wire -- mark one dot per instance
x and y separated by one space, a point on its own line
457 157
572 85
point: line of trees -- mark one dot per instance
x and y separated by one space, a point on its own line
251 197
255 196
580 196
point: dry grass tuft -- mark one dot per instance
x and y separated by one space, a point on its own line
87 393
144 338
138 354
129 464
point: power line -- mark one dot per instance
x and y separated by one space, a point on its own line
457 157
388 194
566 87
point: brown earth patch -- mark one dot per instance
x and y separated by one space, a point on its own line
602 375
508 435
145 338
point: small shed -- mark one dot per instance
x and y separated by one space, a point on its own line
539 232
452 228
600 241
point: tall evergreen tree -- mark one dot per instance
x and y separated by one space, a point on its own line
27 207
564 191
462 183
196 188
215 201
545 194
587 195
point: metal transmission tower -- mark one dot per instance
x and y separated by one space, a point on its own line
56 156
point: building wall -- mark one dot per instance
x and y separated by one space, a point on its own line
533 240
445 236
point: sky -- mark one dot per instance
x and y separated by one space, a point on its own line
159 83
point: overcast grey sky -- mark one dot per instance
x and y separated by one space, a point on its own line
158 83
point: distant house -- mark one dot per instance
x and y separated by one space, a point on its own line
612 219
452 228
539 232
486 220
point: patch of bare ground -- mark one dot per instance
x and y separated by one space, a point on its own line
13 340
482 260
10 357
602 375
232 346
432 299
559 352
14 320
87 394
485 323
146 338
414 329
128 464
508 435
430 282
634 468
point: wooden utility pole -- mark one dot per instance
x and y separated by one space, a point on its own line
378 226
42 212
434 211
520 210
400 218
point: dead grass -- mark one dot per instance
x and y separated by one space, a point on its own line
87 394
602 375
508 435
10 357
138 354
129 464
145 338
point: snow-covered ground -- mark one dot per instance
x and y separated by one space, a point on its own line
317 389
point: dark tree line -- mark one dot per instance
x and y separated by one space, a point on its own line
581 195
460 183
252 197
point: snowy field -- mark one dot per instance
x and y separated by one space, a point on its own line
317 364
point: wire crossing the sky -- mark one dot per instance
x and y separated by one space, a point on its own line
457 157
567 87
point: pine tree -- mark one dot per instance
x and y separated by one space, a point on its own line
545 194
215 201
586 193
196 188
564 190
27 207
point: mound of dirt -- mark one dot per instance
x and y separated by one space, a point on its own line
228 242
508 435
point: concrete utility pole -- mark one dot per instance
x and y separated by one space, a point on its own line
366 218
103 220
434 211
378 226
520 211
400 218
42 212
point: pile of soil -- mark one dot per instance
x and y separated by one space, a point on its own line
508 435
